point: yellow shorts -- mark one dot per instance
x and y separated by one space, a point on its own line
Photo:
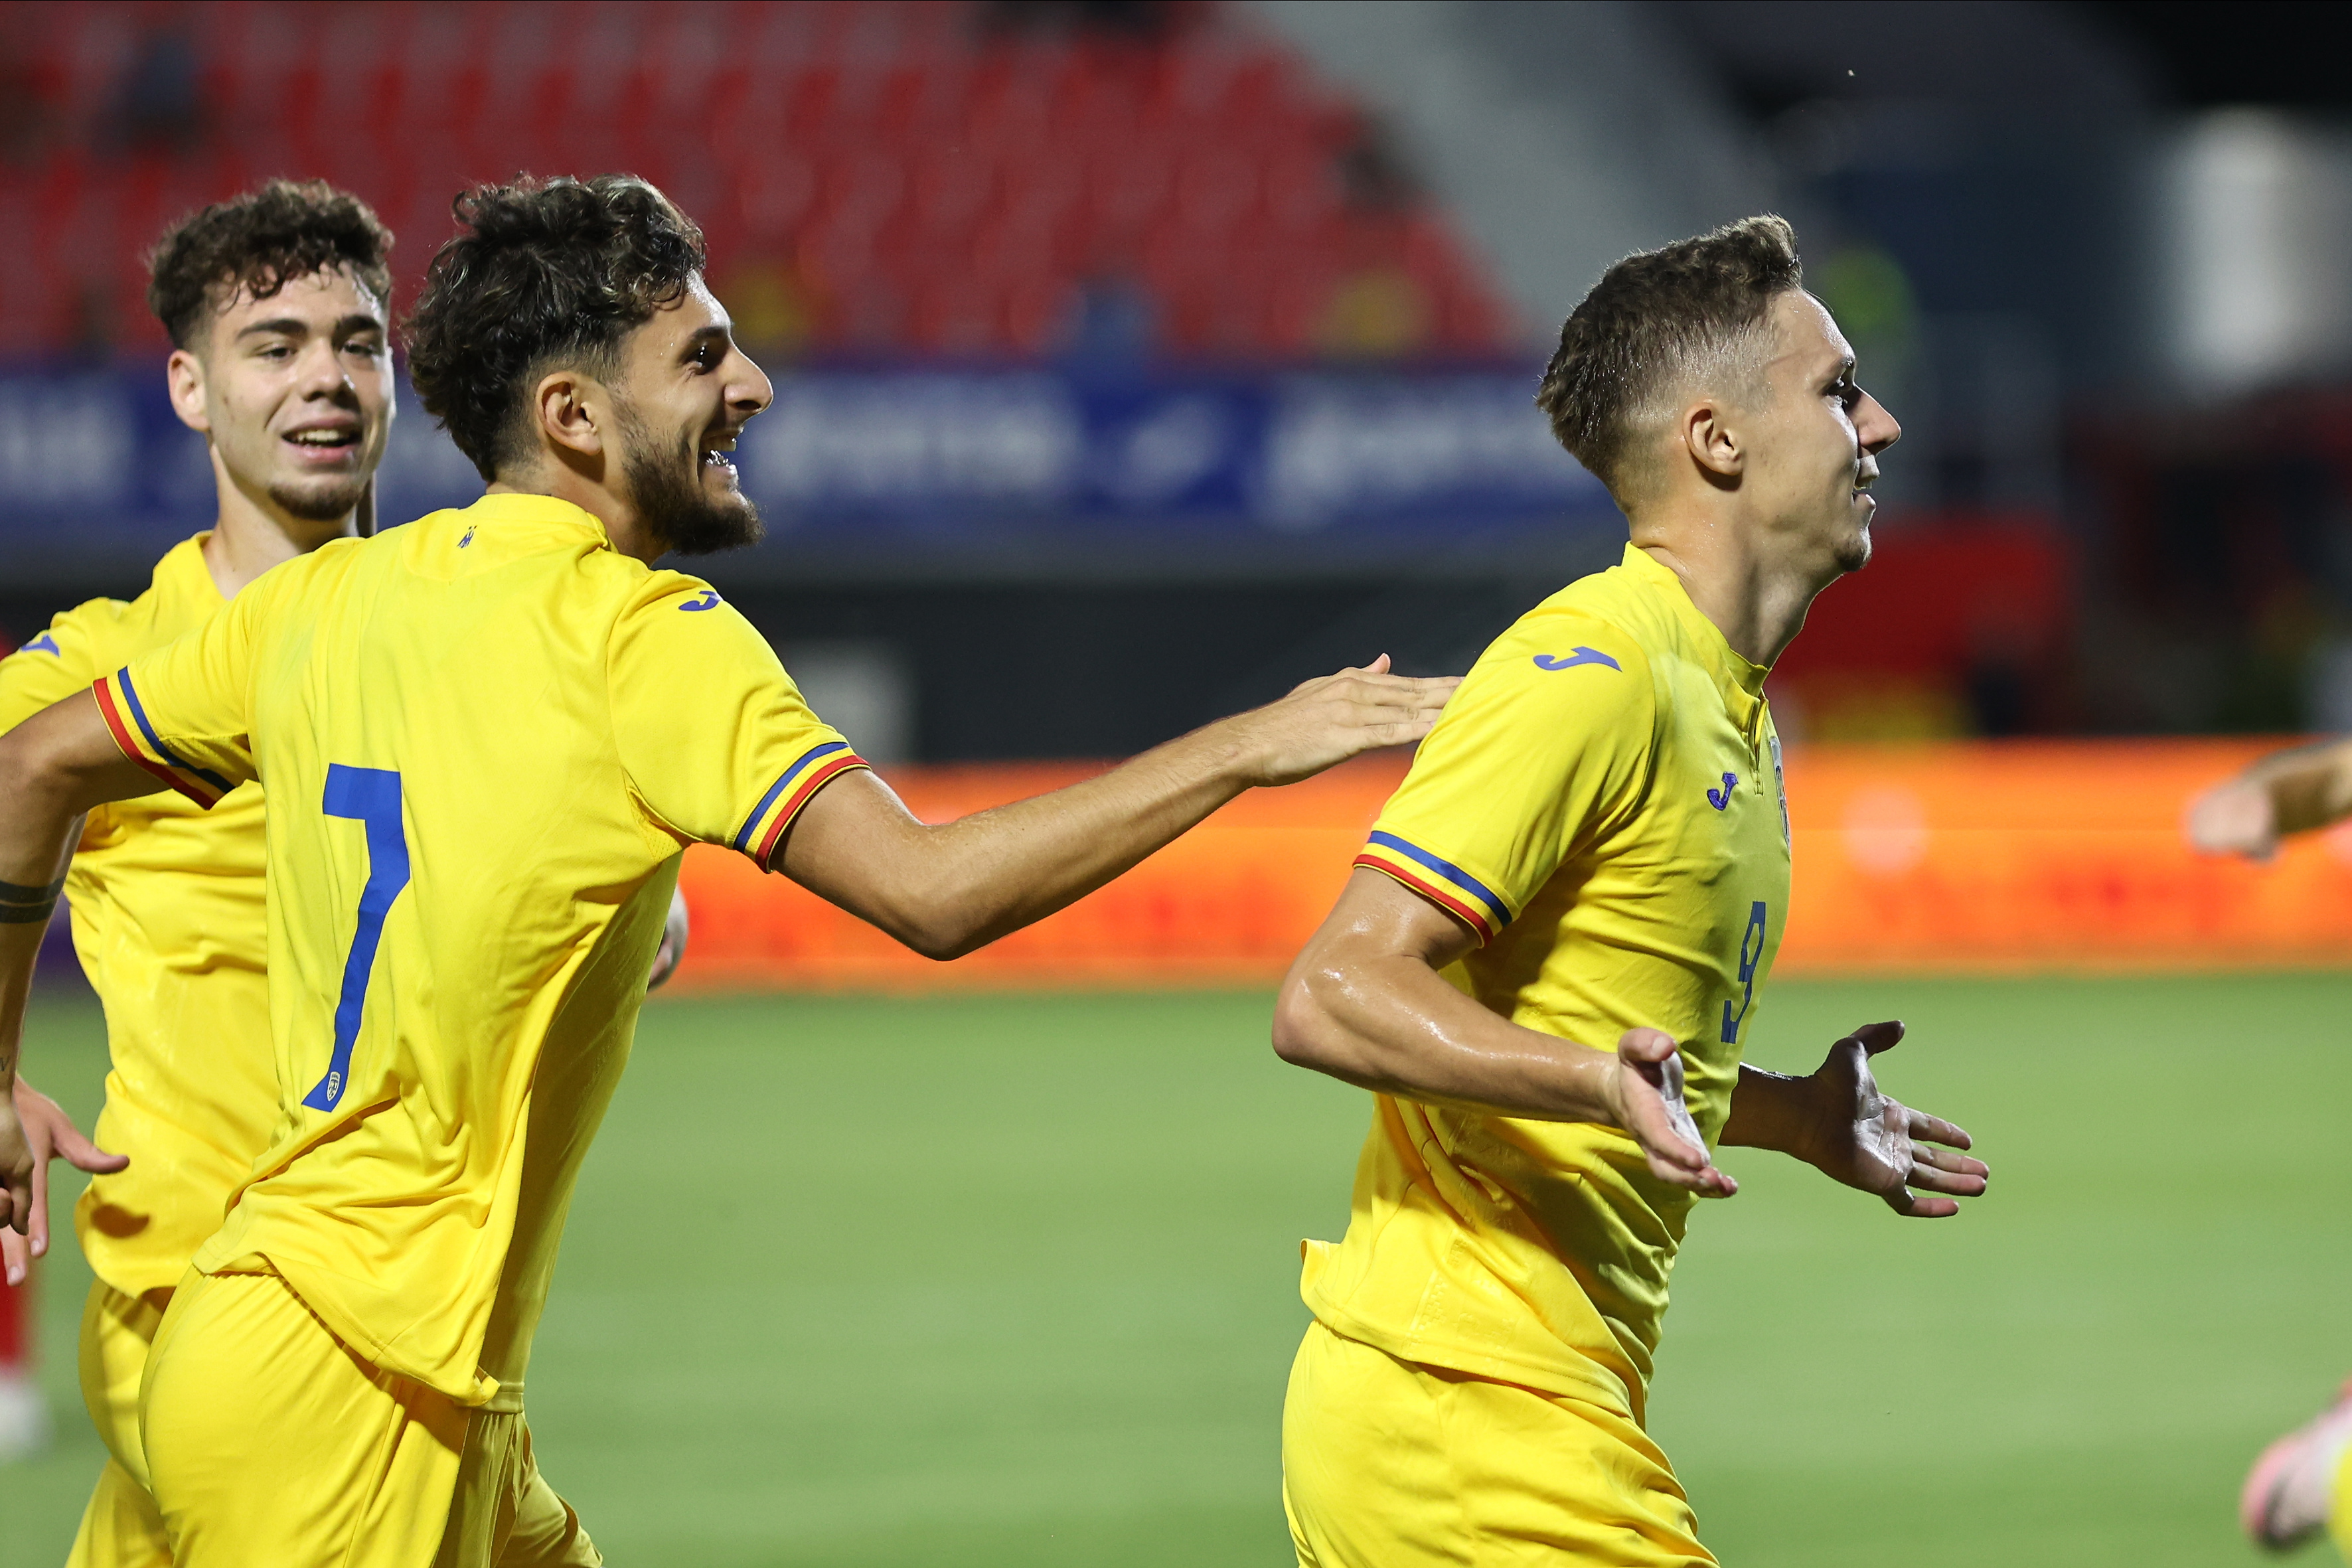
269 1441
121 1528
1388 1463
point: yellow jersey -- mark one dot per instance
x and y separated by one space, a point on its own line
167 910
1601 804
487 736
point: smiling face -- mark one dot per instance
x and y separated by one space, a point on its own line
1813 452
683 394
294 392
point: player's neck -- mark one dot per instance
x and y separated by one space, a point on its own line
252 535
1757 600
627 531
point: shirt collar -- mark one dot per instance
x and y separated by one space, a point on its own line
1742 678
508 509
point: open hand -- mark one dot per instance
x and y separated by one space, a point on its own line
34 1131
1328 720
2237 817
1865 1140
1649 1105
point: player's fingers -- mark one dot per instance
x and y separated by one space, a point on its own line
1948 1160
14 1263
1952 1183
1402 732
84 1155
1877 1037
1913 1206
1645 1044
1703 1179
36 1223
1936 1130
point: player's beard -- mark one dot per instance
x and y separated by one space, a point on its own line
328 499
670 497
1853 554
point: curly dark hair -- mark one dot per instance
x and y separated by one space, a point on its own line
1652 320
551 272
260 242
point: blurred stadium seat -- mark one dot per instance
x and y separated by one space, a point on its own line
883 176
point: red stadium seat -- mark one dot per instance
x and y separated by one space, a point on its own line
937 187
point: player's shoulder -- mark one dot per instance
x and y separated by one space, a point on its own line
88 627
676 601
666 619
108 631
1584 645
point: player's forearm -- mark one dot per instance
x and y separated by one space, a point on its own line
1773 1110
36 842
53 767
1393 1024
949 888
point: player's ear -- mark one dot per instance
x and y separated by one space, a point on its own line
1706 435
568 412
184 376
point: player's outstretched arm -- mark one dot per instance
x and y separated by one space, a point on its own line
1365 1002
53 767
1836 1120
947 889
2286 792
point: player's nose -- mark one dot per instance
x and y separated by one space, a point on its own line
1876 428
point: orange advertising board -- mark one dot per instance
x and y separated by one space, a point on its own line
1957 857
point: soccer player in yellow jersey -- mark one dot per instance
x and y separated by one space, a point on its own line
276 305
487 736
2301 1485
1591 849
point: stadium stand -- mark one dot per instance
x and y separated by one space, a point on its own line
876 177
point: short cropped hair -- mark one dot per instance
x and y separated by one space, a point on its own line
549 273
260 242
1655 320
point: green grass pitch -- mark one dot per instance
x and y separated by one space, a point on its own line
858 1282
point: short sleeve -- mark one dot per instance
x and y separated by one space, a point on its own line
717 741
1541 749
183 712
62 660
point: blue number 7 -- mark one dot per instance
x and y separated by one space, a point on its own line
373 796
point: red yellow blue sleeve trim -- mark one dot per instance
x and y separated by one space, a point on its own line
117 697
817 766
1442 881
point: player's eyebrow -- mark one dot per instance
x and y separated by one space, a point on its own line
289 326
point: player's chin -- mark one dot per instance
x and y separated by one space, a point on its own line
1854 550
320 497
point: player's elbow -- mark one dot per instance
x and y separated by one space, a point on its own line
943 944
941 932
30 771
1304 1033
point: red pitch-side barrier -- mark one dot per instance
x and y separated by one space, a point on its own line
1963 857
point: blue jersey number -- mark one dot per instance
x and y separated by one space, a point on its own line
371 796
1751 953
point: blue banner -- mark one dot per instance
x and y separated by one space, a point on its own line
932 471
